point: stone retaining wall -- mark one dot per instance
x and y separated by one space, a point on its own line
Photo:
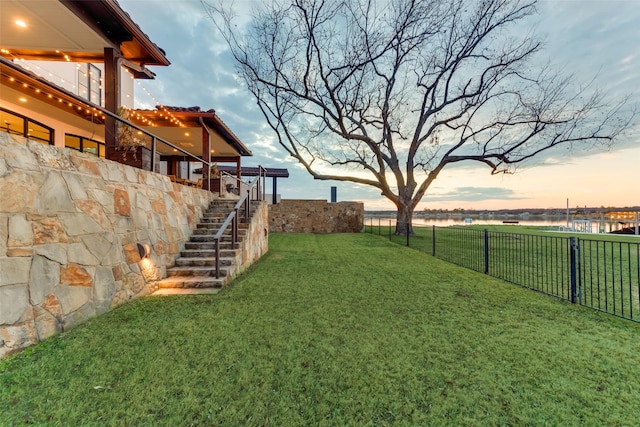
256 242
69 224
316 216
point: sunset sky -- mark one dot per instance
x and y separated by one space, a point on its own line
589 39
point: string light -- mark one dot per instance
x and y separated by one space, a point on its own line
134 115
168 114
60 100
163 111
51 75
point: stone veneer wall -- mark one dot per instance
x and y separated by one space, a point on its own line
316 216
69 224
256 241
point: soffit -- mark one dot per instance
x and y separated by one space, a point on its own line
77 30
50 27
190 139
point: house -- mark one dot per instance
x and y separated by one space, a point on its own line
79 233
67 67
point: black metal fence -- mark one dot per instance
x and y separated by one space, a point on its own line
600 273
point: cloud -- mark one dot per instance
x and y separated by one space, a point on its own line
472 194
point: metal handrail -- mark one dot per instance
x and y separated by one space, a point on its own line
153 136
232 218
238 181
225 173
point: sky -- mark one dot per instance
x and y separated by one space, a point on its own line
590 39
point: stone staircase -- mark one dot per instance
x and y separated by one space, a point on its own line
196 265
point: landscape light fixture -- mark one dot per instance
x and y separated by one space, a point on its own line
143 250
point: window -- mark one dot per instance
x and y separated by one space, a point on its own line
18 124
89 83
85 145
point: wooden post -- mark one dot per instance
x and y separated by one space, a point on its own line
274 197
111 98
206 156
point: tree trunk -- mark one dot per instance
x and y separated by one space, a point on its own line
404 218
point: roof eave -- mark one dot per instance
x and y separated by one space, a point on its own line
106 16
229 136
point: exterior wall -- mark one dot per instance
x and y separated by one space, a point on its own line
316 216
69 224
60 120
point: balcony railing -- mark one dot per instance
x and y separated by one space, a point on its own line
151 142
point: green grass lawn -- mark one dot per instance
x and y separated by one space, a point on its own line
608 266
335 330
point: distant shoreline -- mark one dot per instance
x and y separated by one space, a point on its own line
520 213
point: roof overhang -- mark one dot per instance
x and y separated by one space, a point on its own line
255 171
184 127
80 32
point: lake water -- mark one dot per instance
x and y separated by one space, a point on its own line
445 222
593 226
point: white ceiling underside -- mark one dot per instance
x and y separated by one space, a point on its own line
66 33
193 141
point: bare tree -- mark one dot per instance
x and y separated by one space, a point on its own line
389 93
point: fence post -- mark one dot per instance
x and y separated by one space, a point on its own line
573 258
433 240
486 251
390 229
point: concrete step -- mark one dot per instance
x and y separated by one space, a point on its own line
215 217
207 253
201 271
224 245
202 238
228 207
203 261
216 226
186 291
223 202
212 231
193 282
221 219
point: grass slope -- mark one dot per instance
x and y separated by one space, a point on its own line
335 330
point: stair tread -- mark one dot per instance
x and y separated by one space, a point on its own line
208 253
196 267
192 282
